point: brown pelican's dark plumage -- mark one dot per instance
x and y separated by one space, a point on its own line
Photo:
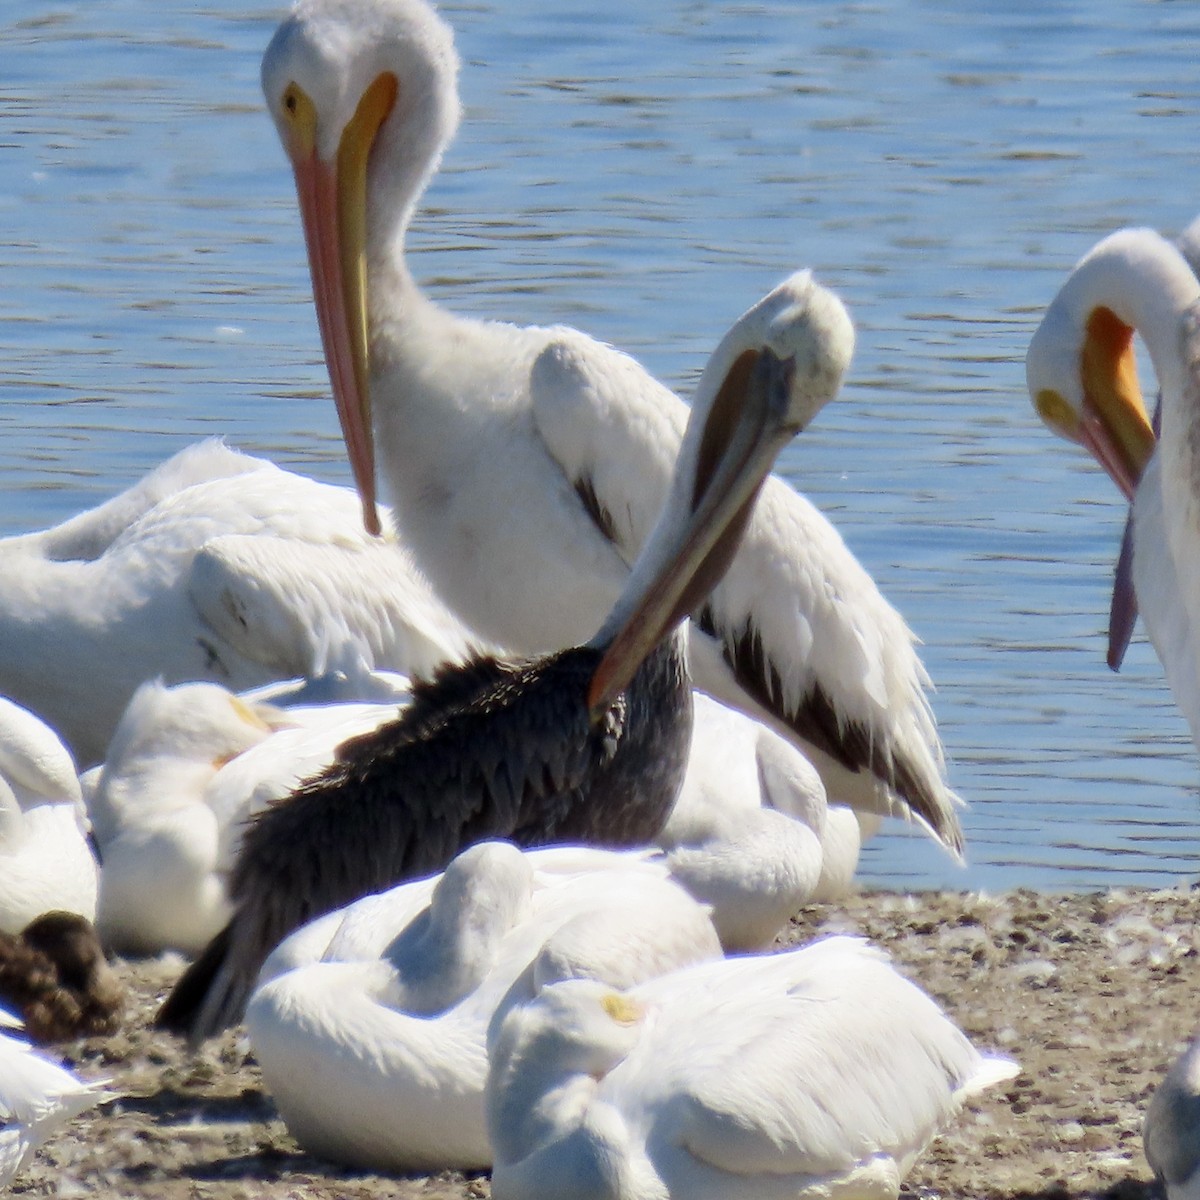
54 975
586 744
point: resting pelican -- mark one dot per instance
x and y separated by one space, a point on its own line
817 1072
37 1097
397 1031
45 860
1083 382
752 833
1171 1135
527 464
215 566
187 767
588 744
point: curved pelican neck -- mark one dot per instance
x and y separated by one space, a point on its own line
1146 283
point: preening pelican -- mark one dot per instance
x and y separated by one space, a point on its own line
37 1097
1123 612
187 767
817 1072
45 860
527 465
588 744
1084 384
1171 1135
396 1031
215 566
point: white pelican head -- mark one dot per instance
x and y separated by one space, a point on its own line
363 94
1080 366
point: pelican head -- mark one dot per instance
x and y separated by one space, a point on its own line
1080 367
577 1029
364 97
778 365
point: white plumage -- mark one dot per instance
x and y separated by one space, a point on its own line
37 1097
45 860
216 566
752 833
1083 381
819 1072
188 765
527 465
393 1019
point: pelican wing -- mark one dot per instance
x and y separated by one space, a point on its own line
304 608
1165 569
36 1097
87 535
829 1061
796 621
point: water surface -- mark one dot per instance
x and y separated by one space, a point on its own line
646 172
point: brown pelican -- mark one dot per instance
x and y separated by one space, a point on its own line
587 744
527 465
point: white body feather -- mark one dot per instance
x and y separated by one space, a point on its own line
187 767
1171 1135
37 1097
819 1072
45 860
216 566
393 1019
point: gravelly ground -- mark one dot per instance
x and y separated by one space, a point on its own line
1094 994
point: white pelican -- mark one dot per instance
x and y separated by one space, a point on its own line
55 974
45 860
588 744
1123 612
37 1097
527 465
1084 384
396 1031
215 566
1171 1136
187 766
752 833
819 1072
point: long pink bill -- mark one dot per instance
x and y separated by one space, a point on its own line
317 189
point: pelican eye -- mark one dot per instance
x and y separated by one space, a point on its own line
1056 412
299 114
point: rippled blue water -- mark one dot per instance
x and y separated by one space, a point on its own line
645 172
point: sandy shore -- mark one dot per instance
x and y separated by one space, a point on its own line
1093 994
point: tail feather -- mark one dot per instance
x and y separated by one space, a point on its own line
183 1009
992 1070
